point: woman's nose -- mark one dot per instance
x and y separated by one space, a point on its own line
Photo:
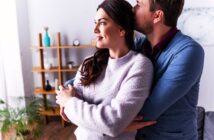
134 8
96 29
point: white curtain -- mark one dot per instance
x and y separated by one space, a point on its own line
11 77
2 79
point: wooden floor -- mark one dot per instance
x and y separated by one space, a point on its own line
55 131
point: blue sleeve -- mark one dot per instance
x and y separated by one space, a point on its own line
138 42
182 73
69 82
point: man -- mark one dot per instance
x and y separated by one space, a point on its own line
178 62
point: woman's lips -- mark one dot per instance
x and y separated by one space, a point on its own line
99 38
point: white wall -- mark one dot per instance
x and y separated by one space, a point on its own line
197 21
199 3
206 94
24 43
74 19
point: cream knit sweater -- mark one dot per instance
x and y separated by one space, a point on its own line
108 106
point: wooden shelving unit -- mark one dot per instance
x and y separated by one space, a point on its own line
47 110
53 111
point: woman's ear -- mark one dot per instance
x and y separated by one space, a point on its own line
122 32
158 16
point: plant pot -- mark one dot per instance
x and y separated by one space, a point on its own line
12 135
9 135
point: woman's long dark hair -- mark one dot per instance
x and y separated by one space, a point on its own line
120 11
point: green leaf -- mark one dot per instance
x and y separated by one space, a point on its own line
22 118
6 125
4 113
1 101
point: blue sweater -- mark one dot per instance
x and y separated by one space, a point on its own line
174 97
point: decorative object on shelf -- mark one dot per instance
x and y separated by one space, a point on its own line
76 42
47 41
20 123
48 86
70 64
47 65
56 85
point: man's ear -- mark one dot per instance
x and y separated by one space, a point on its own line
158 16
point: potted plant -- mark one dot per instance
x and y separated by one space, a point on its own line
21 123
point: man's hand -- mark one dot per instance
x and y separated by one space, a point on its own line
138 123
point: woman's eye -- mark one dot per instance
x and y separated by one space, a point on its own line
102 23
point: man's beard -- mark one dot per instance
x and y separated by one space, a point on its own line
146 29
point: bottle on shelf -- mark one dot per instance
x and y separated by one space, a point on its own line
48 86
47 41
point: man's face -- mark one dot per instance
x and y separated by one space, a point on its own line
143 17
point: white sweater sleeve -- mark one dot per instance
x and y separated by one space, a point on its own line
112 119
77 84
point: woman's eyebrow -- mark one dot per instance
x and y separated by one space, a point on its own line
101 19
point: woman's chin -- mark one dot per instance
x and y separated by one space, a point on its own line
100 46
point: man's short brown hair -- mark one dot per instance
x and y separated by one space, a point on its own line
171 8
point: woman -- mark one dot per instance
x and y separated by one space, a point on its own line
111 86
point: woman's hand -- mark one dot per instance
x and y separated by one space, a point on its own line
138 123
63 115
64 94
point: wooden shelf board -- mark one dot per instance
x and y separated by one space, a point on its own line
55 69
51 111
66 69
39 90
38 69
63 47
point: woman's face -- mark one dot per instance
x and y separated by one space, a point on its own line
108 33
